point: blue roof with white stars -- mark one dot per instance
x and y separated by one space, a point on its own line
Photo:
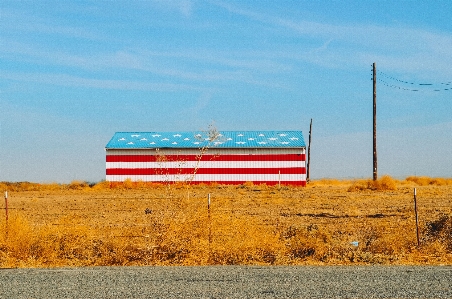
223 139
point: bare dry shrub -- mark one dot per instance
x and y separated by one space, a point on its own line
128 184
78 185
425 181
16 237
103 185
439 230
327 182
19 186
51 187
241 241
306 243
385 183
359 186
248 185
66 244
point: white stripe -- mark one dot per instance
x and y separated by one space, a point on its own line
207 164
209 177
210 151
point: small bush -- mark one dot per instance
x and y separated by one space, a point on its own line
386 183
128 184
78 185
102 185
440 230
426 181
383 184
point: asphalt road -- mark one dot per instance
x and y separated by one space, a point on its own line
229 282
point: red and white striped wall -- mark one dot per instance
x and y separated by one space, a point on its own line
224 166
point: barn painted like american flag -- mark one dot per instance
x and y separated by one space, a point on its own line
226 157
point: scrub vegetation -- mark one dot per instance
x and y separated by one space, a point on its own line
329 222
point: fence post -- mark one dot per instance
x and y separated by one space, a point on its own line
417 219
210 225
6 211
6 205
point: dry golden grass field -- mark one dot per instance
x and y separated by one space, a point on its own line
150 224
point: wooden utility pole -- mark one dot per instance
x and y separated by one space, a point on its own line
309 153
374 71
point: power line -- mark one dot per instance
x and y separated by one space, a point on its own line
413 86
395 86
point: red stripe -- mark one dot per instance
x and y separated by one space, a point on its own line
182 158
270 183
181 171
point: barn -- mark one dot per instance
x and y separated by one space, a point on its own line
226 157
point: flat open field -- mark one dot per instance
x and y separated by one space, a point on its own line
328 222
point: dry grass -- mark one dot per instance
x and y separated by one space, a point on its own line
426 181
383 184
138 223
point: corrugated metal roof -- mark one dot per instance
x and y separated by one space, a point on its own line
225 139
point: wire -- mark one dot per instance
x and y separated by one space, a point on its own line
395 86
424 86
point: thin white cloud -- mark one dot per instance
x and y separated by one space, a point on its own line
184 7
68 80
210 67
19 21
403 48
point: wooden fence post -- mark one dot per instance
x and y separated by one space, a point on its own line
417 219
6 205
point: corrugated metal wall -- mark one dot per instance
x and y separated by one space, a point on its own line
226 166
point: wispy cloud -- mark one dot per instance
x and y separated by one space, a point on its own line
210 67
184 7
20 21
359 44
74 81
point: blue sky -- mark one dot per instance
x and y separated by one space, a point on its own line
74 72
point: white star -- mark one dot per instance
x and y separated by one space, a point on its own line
177 135
143 139
240 142
135 135
229 139
285 142
240 135
261 135
196 142
186 139
282 135
165 139
152 143
250 138
174 143
273 138
217 143
156 135
122 139
293 138
130 143
262 142
198 135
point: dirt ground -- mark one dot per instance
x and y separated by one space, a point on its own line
324 223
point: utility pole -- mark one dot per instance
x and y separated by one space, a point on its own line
309 153
374 78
